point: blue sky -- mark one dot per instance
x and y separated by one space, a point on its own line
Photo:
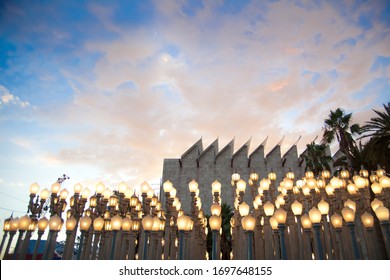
104 90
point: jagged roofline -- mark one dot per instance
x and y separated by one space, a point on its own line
247 144
229 145
198 144
306 147
292 147
262 145
274 148
214 145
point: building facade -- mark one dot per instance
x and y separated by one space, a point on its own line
210 164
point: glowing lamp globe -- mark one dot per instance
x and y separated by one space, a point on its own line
269 209
100 188
85 223
288 184
55 223
280 216
323 206
24 222
55 188
216 187
215 222
42 224
248 223
382 213
315 215
241 186
306 222
147 222
296 208
384 181
34 188
70 223
243 208
348 214
167 186
336 220
98 224
193 186
122 187
264 184
45 194
367 220
215 209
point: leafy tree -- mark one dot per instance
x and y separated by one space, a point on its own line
316 159
338 126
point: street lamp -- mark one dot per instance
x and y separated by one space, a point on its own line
368 223
383 216
147 224
85 223
55 224
215 209
216 190
116 224
24 223
315 217
349 217
248 223
70 225
215 225
281 216
296 208
182 226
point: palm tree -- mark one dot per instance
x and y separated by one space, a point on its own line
338 126
316 158
377 149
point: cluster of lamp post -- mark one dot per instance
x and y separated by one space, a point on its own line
339 217
109 224
313 218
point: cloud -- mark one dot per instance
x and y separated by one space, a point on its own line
267 69
6 98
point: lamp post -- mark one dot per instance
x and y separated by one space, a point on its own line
147 224
70 224
368 223
85 223
281 216
248 224
182 224
296 208
268 244
98 225
14 225
116 224
55 224
337 223
349 217
24 223
315 217
275 231
306 224
6 227
383 216
42 225
215 222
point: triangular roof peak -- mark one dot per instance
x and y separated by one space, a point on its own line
230 144
262 145
212 145
246 145
198 145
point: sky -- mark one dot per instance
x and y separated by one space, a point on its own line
105 90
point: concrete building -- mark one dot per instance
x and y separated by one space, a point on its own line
212 163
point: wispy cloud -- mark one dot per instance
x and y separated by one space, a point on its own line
6 98
144 87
